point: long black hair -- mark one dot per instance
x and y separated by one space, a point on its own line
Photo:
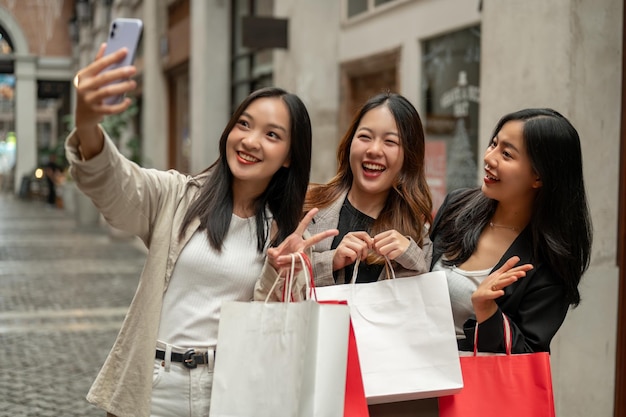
560 224
285 193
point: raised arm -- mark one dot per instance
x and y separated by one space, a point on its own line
93 85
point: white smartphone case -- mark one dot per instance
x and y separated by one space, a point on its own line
123 33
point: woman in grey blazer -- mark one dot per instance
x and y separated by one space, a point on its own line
378 200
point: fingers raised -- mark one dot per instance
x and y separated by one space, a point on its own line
101 50
103 61
113 108
319 237
306 220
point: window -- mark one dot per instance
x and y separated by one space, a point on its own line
250 69
356 7
450 97
361 7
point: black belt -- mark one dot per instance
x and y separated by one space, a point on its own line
189 359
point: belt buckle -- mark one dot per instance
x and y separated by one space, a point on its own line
189 359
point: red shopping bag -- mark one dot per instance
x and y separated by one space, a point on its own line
496 385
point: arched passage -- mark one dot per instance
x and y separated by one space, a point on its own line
10 27
22 64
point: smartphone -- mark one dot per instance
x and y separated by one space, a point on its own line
123 33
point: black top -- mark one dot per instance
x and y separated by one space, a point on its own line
352 220
536 305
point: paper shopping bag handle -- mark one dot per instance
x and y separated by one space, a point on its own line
308 276
290 278
388 269
353 284
508 336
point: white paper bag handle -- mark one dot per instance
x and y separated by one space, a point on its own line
311 294
291 278
355 272
288 288
353 284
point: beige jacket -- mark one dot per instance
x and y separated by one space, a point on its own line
150 204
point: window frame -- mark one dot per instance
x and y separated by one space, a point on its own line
257 75
371 10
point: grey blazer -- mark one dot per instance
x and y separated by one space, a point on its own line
413 261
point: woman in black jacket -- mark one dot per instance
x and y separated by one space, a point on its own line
518 245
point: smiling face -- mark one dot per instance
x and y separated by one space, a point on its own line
376 154
509 176
259 143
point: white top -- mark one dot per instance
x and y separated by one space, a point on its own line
203 278
461 285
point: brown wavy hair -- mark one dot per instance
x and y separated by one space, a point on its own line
409 205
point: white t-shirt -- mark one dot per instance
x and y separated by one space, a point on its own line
203 278
461 285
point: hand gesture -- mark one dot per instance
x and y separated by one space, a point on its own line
483 299
93 86
391 244
279 257
353 246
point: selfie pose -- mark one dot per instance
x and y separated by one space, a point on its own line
207 236
519 244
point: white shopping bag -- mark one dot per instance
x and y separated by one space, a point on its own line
405 335
281 360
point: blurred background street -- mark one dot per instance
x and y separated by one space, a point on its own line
66 278
64 291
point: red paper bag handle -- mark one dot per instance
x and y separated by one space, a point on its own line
508 336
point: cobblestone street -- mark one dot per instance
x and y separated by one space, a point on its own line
64 291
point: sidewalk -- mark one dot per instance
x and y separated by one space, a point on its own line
64 292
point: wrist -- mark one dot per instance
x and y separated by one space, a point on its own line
484 310
88 130
91 140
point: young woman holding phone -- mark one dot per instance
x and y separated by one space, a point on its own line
206 234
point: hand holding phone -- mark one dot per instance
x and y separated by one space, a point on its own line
123 33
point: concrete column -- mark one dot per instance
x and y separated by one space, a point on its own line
155 97
309 69
566 54
25 117
209 79
25 98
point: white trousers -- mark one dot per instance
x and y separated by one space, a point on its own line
180 391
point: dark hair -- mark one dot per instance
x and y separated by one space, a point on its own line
560 223
409 204
285 193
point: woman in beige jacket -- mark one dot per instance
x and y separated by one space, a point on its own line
207 236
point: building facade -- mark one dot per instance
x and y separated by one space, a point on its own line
35 66
462 63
